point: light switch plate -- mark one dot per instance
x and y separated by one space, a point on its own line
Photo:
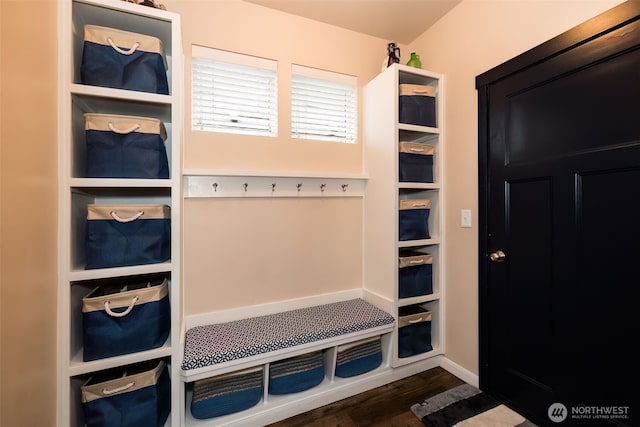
465 218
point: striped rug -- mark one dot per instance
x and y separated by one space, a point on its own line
467 406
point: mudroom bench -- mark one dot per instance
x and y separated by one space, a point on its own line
247 354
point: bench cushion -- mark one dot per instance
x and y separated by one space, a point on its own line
222 342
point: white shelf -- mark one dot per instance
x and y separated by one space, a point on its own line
418 186
102 273
421 242
416 128
272 174
402 302
107 93
119 183
76 191
79 367
382 134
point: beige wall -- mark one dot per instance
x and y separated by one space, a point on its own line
474 37
255 30
28 222
243 252
257 251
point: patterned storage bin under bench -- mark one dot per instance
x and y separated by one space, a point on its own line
223 342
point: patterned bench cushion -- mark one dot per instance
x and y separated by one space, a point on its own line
222 342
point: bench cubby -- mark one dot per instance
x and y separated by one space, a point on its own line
264 342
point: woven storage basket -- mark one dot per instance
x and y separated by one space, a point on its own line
296 373
358 357
226 394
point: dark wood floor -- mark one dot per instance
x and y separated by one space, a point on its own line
386 406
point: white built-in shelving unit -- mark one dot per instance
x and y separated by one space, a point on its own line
76 191
383 132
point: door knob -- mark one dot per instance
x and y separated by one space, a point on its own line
497 256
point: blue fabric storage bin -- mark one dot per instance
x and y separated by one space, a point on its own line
125 147
123 60
413 219
124 235
417 105
415 162
296 374
414 331
133 396
415 275
226 394
125 318
359 357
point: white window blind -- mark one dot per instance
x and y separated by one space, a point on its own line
233 93
323 105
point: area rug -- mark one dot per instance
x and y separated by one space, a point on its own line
467 406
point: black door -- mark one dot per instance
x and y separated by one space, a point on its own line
560 225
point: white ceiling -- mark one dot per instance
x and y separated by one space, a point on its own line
400 21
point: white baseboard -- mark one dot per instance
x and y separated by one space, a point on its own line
463 373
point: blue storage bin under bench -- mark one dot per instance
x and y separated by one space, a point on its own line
208 345
358 357
296 374
226 394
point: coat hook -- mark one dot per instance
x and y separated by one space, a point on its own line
215 186
322 187
273 187
344 187
299 186
245 185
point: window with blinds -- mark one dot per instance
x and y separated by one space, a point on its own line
233 93
323 105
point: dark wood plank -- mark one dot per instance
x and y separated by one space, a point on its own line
385 406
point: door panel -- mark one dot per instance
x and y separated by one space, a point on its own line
571 108
559 195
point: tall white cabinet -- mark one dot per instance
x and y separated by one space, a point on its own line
76 191
383 133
